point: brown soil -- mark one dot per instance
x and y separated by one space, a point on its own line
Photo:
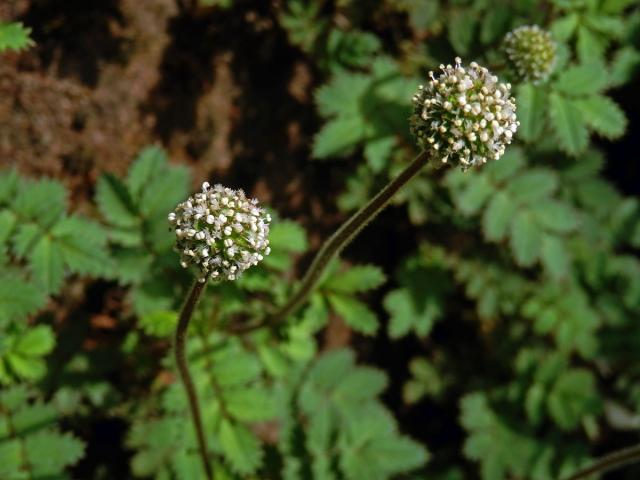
108 77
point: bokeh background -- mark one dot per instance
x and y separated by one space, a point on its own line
501 305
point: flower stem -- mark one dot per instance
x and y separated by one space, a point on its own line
614 460
340 239
183 366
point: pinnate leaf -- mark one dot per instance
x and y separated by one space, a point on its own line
359 278
603 115
14 36
568 124
525 239
355 313
115 202
240 448
497 216
532 105
584 79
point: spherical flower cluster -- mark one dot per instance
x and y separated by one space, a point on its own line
464 116
530 52
221 232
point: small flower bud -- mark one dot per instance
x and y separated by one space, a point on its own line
204 239
530 52
464 128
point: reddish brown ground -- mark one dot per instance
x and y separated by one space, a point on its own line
222 91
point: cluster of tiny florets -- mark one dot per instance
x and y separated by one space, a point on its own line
531 53
464 116
221 232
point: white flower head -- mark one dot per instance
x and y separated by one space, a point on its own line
464 116
221 232
530 52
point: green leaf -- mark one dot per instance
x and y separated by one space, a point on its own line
613 26
378 152
240 447
162 193
525 239
603 115
532 186
572 398
555 257
62 450
250 404
340 96
473 198
25 239
497 217
462 26
288 236
43 201
29 368
9 185
36 342
161 323
564 27
355 313
11 452
616 6
18 298
584 79
410 313
338 137
358 385
534 403
568 124
502 452
356 279
233 366
494 24
149 164
131 265
82 244
590 45
14 36
625 65
426 380
47 264
555 216
351 48
115 203
532 107
373 450
510 163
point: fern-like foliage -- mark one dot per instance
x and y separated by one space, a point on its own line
135 210
40 245
234 397
37 229
14 36
31 446
346 430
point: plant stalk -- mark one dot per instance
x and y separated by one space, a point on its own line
183 366
336 243
614 460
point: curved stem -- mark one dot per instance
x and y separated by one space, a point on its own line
340 239
609 462
183 366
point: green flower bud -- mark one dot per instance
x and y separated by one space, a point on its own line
464 116
530 52
221 232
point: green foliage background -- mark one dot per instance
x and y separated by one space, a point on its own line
520 298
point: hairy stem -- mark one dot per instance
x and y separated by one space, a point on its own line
340 239
614 460
183 366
